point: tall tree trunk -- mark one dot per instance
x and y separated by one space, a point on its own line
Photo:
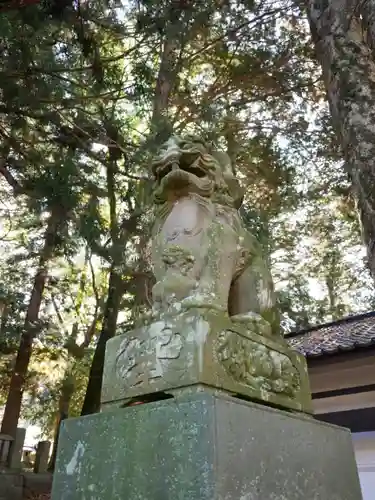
345 52
161 126
4 314
160 129
178 29
332 298
66 393
91 402
76 353
14 400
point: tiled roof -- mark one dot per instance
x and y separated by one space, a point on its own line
347 334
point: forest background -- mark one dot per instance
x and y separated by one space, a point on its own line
88 91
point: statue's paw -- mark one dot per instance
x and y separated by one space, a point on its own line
199 300
254 321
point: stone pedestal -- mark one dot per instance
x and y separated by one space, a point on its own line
15 453
11 485
204 446
42 457
206 347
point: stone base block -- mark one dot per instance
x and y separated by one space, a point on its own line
204 447
11 486
205 347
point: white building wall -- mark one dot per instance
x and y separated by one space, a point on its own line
364 447
339 375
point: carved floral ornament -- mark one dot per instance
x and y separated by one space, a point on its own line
254 364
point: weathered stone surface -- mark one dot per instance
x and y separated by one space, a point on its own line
22 485
204 347
5 445
204 447
11 486
202 255
36 485
15 453
214 318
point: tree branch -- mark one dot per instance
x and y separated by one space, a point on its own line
11 180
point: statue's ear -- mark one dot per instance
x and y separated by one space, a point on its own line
235 189
224 161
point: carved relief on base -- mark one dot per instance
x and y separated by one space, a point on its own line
256 365
151 356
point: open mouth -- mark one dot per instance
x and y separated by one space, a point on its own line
181 165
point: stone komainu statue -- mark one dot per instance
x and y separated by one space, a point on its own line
202 255
214 322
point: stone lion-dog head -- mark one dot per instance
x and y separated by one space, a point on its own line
187 165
